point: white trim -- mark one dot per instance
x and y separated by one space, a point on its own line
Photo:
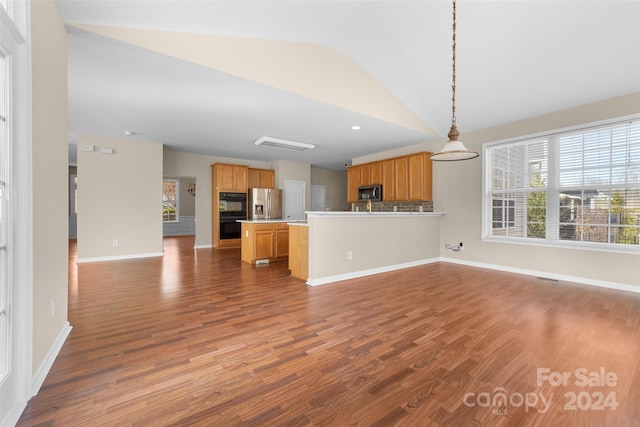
9 24
43 370
563 277
184 226
553 132
13 415
209 246
582 246
21 233
368 272
118 257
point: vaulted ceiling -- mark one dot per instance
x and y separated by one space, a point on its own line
212 77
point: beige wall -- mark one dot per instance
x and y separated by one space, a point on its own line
294 171
335 183
119 198
307 69
375 242
179 163
187 201
458 193
50 185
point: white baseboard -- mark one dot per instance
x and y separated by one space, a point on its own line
14 414
118 257
203 246
574 279
42 371
362 273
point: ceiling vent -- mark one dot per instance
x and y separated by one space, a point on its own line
284 144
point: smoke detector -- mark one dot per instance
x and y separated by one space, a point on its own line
284 144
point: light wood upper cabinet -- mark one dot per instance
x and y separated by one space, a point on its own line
419 177
376 173
365 174
262 178
228 177
404 178
353 182
388 180
401 165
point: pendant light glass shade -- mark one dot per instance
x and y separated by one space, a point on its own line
454 150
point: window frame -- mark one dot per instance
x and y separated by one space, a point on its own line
487 199
177 214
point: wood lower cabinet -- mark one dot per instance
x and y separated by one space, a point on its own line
264 241
299 251
282 240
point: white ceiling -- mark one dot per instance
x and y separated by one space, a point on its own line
515 59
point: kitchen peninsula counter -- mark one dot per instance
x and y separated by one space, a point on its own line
345 245
264 221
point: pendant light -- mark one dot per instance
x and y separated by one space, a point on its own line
454 150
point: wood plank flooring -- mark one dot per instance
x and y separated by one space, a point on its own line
197 338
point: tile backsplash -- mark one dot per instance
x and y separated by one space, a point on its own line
413 206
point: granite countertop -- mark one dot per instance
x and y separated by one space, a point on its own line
365 213
268 221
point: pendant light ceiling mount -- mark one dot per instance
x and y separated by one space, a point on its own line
454 149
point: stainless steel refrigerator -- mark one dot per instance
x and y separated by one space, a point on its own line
265 203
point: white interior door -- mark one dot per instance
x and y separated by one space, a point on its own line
317 198
294 200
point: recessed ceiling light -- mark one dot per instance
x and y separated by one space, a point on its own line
128 133
355 127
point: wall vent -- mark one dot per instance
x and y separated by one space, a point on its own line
284 144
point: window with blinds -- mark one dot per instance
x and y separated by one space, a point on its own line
4 265
579 188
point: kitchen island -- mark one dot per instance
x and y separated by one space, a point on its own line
345 245
264 240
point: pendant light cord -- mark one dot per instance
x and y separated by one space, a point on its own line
453 66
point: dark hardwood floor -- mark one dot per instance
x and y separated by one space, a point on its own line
197 338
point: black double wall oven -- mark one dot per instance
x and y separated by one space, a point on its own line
233 206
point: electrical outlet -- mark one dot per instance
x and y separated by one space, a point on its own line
53 307
115 243
350 255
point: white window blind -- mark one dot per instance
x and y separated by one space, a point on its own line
578 188
4 265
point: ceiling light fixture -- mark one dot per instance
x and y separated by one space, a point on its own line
355 127
454 150
128 133
284 144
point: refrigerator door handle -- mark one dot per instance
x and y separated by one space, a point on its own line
268 204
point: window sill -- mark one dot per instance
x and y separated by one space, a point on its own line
597 247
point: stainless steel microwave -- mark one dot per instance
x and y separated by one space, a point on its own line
370 192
